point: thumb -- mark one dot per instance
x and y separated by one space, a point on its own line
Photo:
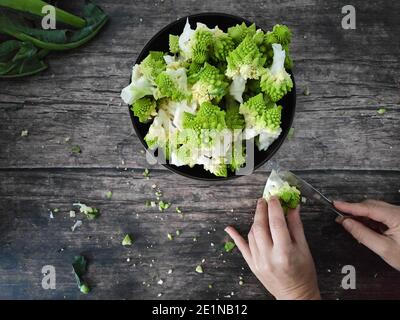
374 241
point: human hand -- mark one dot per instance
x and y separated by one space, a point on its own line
387 244
277 252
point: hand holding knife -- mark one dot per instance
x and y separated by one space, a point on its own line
308 191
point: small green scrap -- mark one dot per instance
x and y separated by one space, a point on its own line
163 205
290 133
90 212
76 149
229 246
306 91
169 236
146 173
79 266
178 232
210 286
127 241
178 210
199 269
381 111
109 194
24 133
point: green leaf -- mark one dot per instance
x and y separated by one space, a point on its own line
381 111
16 26
19 59
35 7
229 246
79 265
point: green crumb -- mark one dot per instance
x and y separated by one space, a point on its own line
148 203
194 239
76 149
210 286
90 212
306 91
163 205
127 241
178 210
199 269
169 236
290 133
381 111
178 232
241 283
55 210
24 133
229 246
84 288
146 173
158 193
109 194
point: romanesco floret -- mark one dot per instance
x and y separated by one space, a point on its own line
280 34
233 119
222 45
140 86
144 109
262 119
153 65
275 81
288 195
245 61
195 45
172 84
239 32
210 84
173 43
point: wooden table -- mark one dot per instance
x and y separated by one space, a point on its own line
341 144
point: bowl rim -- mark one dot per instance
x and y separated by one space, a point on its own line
175 169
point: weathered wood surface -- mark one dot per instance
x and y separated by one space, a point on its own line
340 144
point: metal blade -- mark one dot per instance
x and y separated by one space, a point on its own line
308 190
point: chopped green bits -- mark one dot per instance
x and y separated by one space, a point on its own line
381 111
199 269
127 241
76 149
229 245
109 194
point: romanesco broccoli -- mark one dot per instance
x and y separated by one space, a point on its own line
288 195
275 81
144 109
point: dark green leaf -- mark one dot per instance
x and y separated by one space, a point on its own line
14 25
80 265
20 59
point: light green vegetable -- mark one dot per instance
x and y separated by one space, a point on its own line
79 266
90 212
127 240
288 195
229 246
212 91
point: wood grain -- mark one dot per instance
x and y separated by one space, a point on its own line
340 144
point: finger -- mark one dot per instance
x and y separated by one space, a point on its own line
277 223
296 226
241 243
260 226
252 244
376 242
372 209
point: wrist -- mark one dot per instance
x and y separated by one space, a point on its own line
311 294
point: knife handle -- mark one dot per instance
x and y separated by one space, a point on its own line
372 224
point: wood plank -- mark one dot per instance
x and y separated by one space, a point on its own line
348 74
29 239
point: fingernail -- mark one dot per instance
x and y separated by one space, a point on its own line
260 200
226 229
339 220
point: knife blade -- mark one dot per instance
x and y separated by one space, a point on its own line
309 191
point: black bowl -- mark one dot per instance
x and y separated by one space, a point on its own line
160 43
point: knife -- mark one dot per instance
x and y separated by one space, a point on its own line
310 192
